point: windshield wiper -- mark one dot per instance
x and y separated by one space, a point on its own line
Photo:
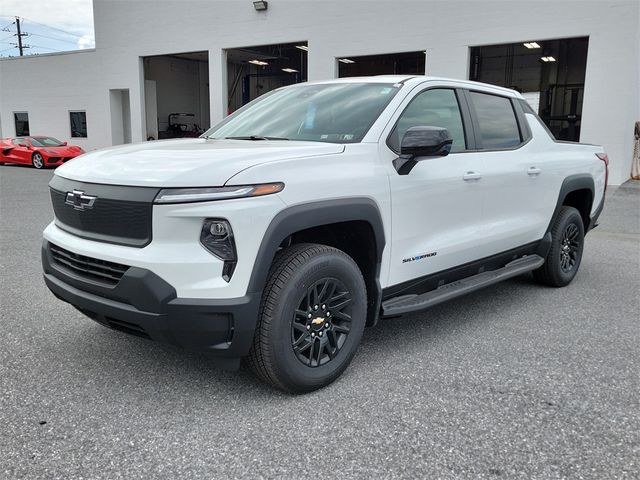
255 137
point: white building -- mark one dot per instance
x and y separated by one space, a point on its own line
202 58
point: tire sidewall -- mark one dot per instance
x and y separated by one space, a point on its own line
572 216
290 369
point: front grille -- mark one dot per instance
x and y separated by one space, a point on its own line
88 268
112 217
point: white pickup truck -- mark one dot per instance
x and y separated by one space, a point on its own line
316 210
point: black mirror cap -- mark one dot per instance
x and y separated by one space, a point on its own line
426 142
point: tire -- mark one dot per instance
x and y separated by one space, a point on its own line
37 161
302 343
567 244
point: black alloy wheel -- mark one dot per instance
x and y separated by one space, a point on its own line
321 322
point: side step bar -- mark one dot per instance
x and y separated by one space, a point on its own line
412 303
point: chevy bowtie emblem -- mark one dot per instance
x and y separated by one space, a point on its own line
79 201
317 321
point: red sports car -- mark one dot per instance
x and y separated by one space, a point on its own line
40 152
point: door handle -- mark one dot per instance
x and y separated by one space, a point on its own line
467 177
534 171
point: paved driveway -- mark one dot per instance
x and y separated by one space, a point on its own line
513 381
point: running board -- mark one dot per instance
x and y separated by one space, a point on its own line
412 303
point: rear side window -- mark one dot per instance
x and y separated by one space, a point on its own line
497 121
431 108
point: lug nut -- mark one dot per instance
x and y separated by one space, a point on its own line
315 307
324 306
326 325
328 314
320 333
313 334
308 327
309 316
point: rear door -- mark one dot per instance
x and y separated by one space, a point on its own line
437 207
513 178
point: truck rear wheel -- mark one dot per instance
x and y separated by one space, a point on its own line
312 316
563 260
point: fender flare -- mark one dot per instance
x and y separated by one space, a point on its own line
581 181
314 214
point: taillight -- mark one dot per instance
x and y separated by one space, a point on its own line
605 158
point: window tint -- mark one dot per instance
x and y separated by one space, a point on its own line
431 108
78 124
21 120
497 120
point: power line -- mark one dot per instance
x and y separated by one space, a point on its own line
52 38
44 48
52 28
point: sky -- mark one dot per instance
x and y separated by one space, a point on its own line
52 25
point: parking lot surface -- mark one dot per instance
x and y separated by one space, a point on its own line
514 381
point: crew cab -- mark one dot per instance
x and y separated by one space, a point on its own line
315 211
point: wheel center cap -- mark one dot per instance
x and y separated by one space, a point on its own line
317 323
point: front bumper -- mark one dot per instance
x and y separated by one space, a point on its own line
143 304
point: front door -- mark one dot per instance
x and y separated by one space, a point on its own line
437 207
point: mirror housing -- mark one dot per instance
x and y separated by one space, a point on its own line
25 145
419 142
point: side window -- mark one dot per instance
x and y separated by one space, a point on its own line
431 108
497 121
78 122
21 120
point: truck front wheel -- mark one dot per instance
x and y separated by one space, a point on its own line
312 316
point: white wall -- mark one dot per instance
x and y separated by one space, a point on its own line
126 31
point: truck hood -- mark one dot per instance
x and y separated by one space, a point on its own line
193 162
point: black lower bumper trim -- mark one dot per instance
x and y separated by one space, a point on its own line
222 328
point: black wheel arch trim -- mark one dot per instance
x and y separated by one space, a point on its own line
572 183
315 214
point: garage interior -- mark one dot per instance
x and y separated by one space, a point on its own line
176 95
254 71
404 63
550 74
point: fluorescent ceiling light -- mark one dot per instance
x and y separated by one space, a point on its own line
302 47
289 70
346 60
548 59
258 62
531 45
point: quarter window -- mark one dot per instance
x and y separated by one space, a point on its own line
21 120
78 124
431 108
497 121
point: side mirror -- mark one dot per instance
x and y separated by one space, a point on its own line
420 142
25 145
64 144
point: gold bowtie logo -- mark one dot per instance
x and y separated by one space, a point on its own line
317 321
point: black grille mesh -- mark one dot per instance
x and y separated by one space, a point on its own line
110 220
89 268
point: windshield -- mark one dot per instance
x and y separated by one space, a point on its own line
336 112
45 142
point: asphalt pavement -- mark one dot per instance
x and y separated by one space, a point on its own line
514 381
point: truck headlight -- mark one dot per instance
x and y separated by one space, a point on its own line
217 237
208 194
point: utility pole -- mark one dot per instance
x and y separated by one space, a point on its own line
20 35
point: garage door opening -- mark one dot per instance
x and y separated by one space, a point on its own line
550 74
254 71
176 95
404 63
